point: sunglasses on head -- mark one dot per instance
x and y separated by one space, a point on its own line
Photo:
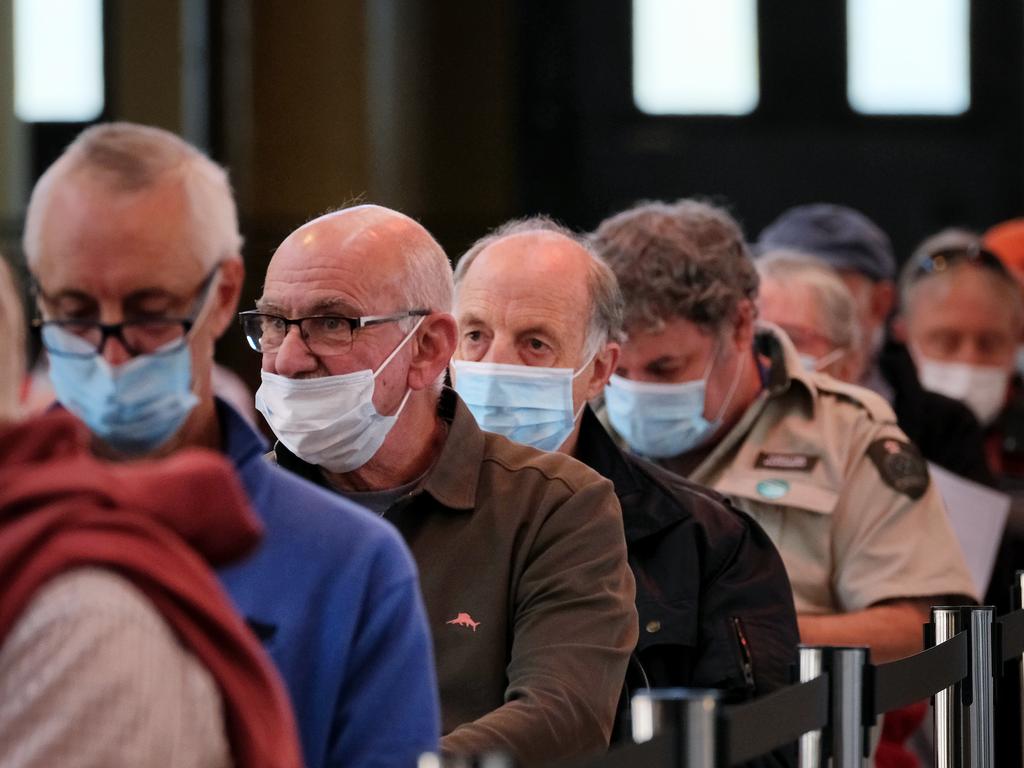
944 259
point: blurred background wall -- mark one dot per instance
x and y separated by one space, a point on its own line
463 114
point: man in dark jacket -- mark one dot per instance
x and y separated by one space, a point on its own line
945 430
715 605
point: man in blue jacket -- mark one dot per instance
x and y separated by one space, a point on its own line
132 239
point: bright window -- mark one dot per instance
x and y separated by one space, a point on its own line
58 60
909 57
694 57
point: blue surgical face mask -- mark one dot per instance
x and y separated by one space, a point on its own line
135 407
664 420
526 403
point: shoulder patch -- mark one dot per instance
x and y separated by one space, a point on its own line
901 466
876 406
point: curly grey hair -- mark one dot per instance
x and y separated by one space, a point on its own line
686 259
606 303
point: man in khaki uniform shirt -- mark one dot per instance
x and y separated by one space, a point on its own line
820 464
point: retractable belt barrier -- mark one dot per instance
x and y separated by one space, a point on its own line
838 697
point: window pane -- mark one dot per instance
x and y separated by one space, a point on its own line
909 56
58 60
695 56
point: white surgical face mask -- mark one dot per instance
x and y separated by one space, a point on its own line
812 363
331 421
981 387
526 403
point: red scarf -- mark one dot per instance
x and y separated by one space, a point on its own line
161 525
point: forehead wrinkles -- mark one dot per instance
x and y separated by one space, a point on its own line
518 310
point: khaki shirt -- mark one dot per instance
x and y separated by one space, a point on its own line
822 466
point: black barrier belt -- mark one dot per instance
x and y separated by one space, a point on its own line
1013 635
775 720
917 677
659 752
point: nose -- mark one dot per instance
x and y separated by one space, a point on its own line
292 358
114 351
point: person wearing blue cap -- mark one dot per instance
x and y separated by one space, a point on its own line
944 429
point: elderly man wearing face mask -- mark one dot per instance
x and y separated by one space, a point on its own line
819 463
521 553
539 333
860 252
132 240
961 317
807 300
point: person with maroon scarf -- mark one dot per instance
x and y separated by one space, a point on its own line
118 646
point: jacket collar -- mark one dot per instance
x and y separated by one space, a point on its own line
451 481
640 517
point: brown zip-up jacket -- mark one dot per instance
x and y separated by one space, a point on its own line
530 599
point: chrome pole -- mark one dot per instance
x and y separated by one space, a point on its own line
692 712
848 742
948 705
981 737
809 753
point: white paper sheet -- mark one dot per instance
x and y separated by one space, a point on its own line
978 516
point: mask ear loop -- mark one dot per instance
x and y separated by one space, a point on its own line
205 310
576 375
732 389
389 358
825 361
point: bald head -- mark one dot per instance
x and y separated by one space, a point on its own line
401 264
548 264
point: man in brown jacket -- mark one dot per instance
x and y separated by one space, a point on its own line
521 553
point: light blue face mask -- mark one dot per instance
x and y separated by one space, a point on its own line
135 407
664 420
526 403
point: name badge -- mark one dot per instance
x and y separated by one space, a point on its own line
786 462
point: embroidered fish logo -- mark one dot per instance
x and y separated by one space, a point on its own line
464 620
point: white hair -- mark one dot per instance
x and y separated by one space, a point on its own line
128 158
12 346
833 299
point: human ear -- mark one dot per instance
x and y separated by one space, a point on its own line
227 293
434 346
605 363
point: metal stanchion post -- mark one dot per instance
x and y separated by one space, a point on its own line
847 669
1018 602
691 712
948 705
810 745
980 741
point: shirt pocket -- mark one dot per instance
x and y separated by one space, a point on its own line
797 515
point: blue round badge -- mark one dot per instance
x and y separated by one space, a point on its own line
773 489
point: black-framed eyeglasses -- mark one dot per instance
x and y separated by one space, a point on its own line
142 336
944 259
323 334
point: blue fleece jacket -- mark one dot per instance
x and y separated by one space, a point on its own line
333 593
